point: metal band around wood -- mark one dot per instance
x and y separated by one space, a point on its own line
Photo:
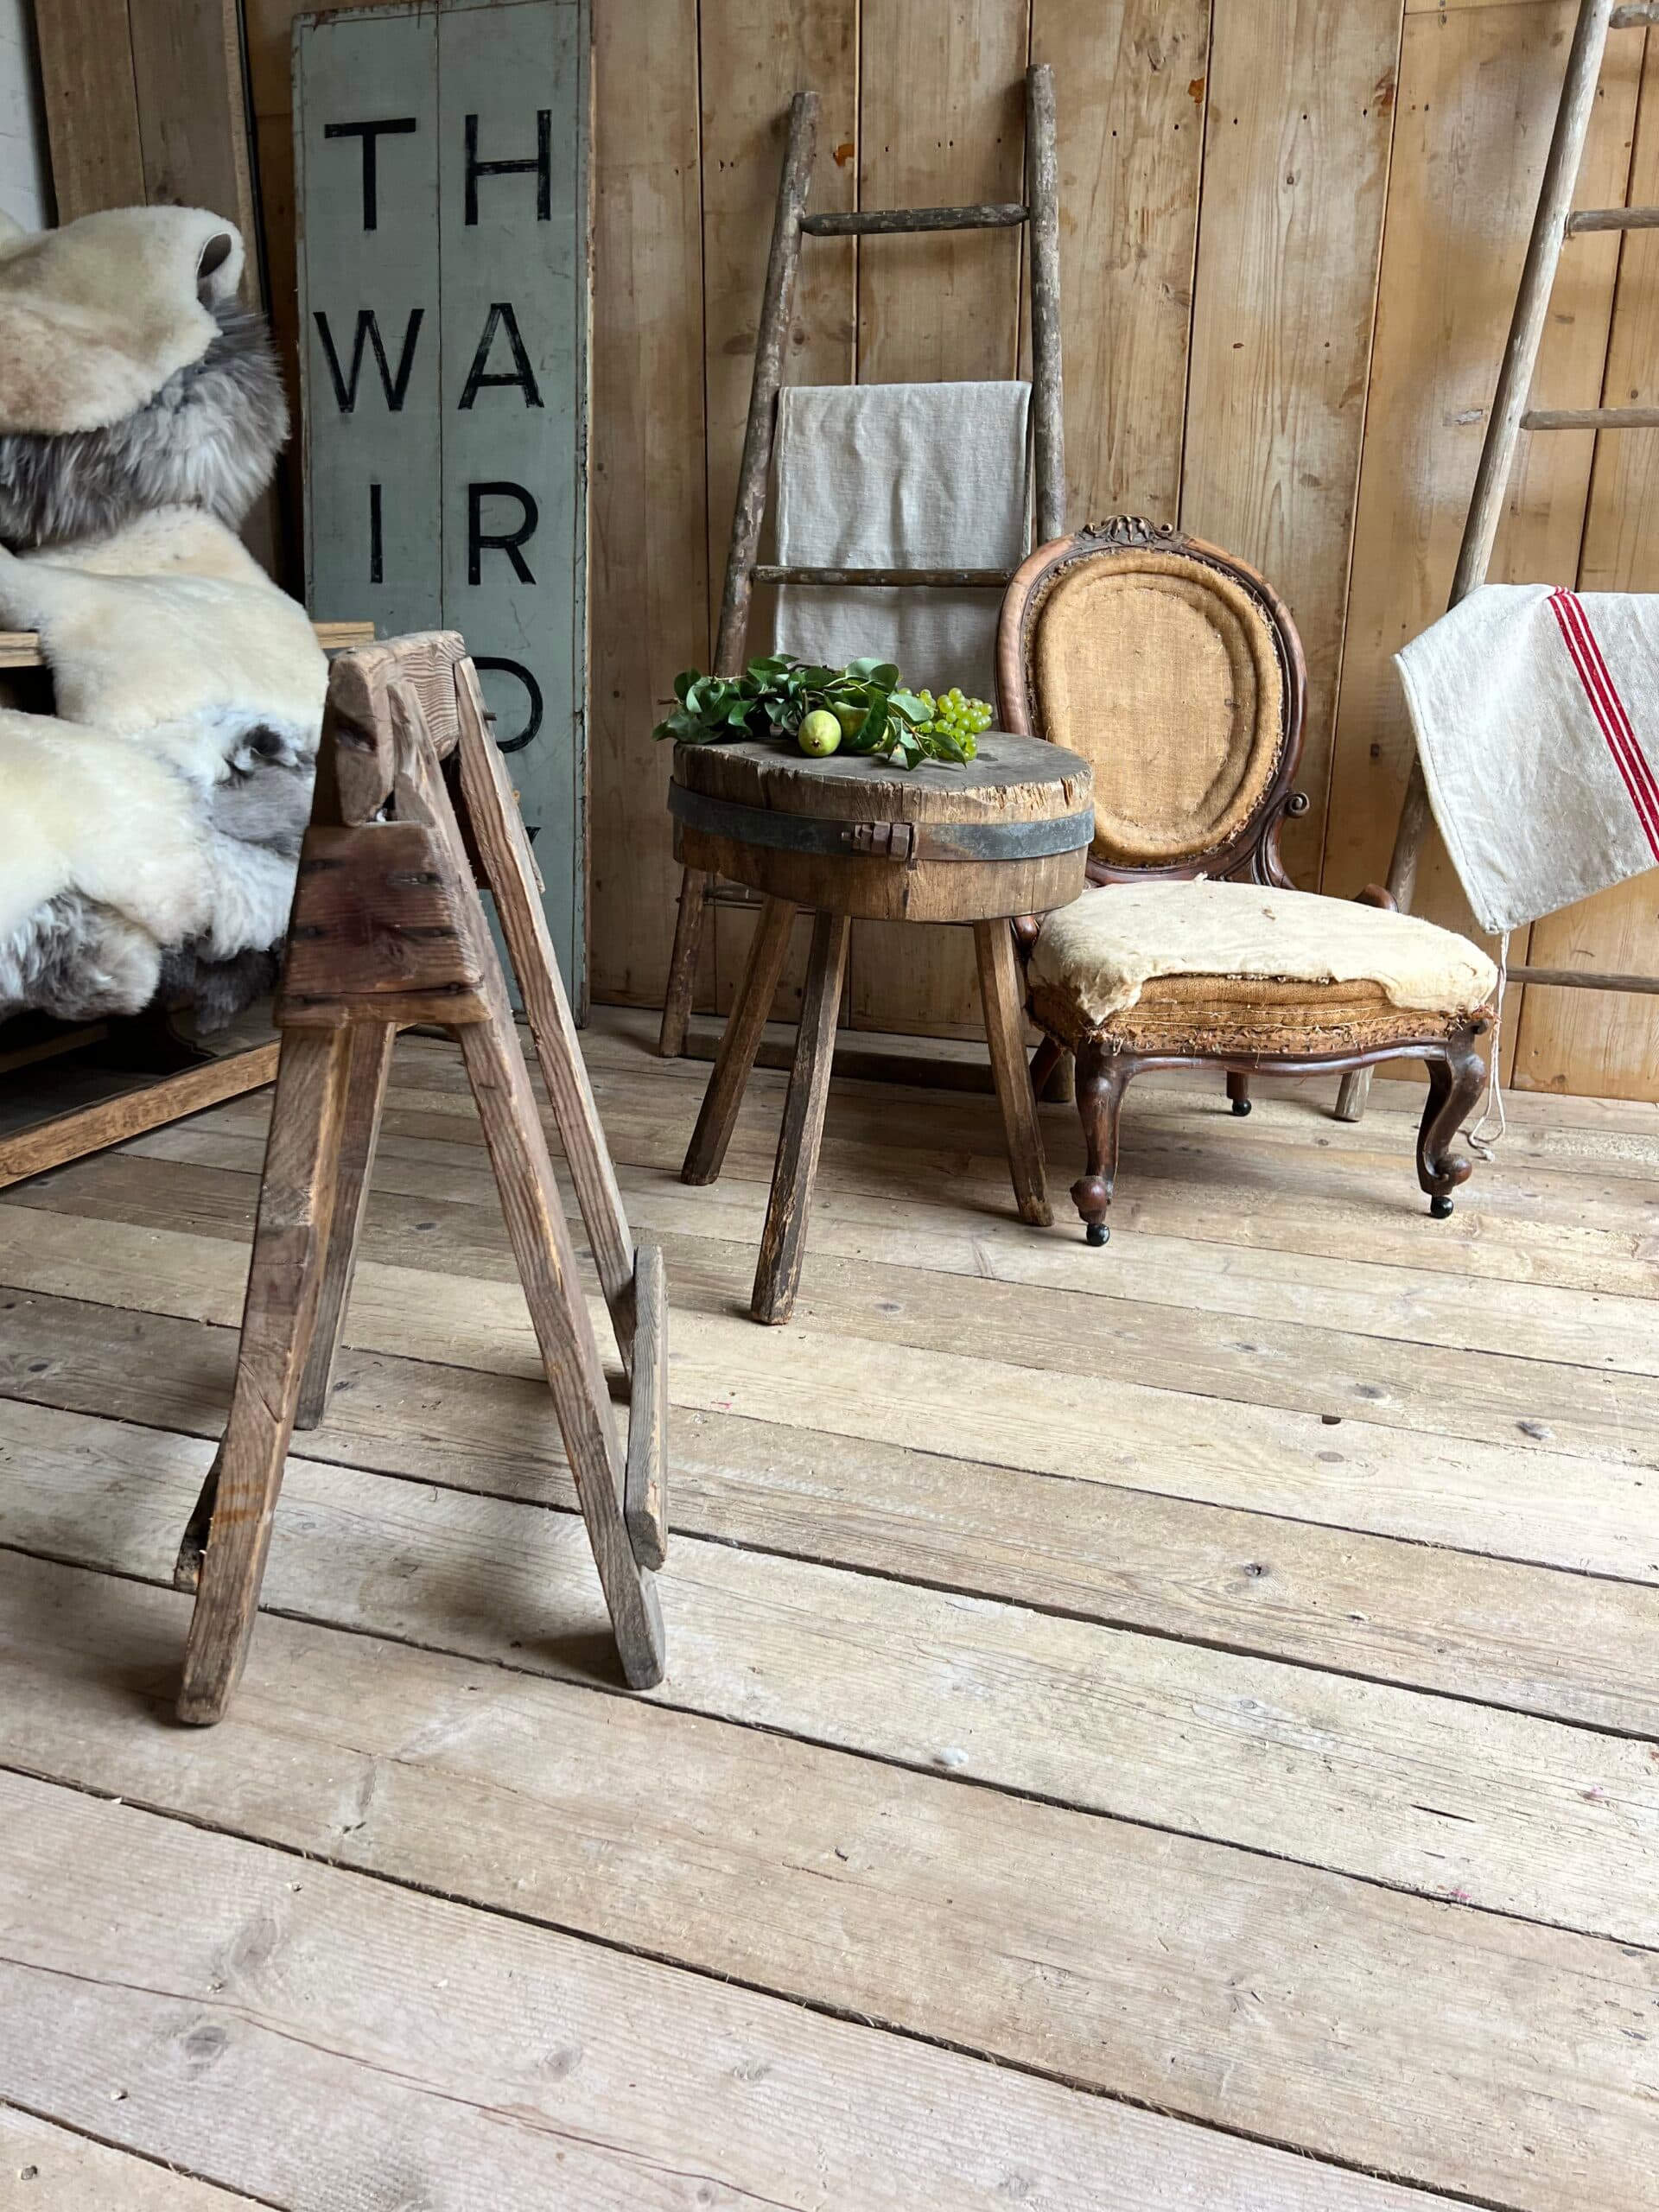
911 842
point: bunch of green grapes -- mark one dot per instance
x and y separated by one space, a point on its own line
956 717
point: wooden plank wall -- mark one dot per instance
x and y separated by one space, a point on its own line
1291 233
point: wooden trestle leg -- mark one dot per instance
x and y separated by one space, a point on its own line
284 1282
388 929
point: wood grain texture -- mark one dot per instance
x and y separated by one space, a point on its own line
1566 1647
687 164
566 1338
1580 1039
1426 1796
645 1468
1001 992
506 1806
1584 1511
1300 112
297 1194
54 2171
1130 82
648 580
89 1128
497 827
1419 1355
729 1076
91 106
1268 1736
612 2081
941 122
754 56
1478 93
783 1241
370 1047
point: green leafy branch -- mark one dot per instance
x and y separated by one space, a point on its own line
772 698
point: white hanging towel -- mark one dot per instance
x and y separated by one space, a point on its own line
901 475
1536 712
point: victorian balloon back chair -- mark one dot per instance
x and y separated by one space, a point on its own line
1178 673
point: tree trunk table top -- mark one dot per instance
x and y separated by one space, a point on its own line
1006 834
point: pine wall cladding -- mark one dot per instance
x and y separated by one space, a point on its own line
1291 233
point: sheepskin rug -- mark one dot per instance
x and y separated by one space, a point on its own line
149 830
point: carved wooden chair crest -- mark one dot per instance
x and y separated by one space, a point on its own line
1177 672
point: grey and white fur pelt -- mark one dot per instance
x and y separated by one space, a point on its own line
209 438
149 828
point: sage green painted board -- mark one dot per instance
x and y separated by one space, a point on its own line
379 66
490 440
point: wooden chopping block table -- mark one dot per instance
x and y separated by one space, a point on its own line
854 839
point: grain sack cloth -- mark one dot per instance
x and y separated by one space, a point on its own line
901 475
1536 713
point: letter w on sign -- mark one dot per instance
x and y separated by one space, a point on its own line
441 175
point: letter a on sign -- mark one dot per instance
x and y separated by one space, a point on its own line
442 176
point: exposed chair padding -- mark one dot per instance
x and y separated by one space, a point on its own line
1178 674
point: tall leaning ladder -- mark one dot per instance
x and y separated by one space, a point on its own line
1556 222
1039 212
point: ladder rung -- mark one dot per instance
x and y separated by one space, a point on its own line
1612 219
1585 979
1591 418
931 579
861 223
1640 12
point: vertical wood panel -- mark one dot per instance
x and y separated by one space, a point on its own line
92 105
1296 164
186 57
1478 94
1129 82
755 55
688 103
649 586
1601 1041
942 122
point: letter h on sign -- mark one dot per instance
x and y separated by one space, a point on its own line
441 173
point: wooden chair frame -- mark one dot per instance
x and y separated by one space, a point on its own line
1456 1068
388 929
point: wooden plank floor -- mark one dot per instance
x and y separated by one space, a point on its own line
1171 1729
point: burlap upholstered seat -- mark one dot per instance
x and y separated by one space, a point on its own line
1168 966
1178 674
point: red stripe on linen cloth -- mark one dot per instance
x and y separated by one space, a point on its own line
1634 768
1641 767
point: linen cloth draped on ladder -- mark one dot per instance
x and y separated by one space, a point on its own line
1536 713
901 475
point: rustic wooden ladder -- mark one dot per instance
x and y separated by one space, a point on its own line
387 930
1039 212
1556 221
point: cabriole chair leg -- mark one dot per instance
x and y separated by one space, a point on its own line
1101 1079
1454 1084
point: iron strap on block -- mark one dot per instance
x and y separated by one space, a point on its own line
911 842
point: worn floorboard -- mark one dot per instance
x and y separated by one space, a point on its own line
1212 1680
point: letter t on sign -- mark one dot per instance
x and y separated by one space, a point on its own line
370 134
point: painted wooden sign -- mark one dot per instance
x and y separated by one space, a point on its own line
443 228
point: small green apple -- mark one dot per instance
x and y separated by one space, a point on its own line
819 733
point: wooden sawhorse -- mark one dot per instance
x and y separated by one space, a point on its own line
388 929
